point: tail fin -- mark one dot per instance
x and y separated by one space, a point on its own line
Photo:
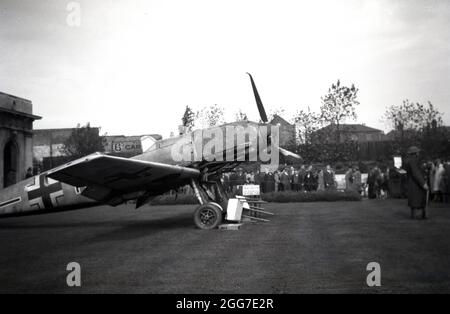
147 141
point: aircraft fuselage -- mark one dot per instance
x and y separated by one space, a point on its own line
40 194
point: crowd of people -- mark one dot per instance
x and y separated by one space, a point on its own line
381 182
437 176
305 179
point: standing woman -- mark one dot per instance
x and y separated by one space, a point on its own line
276 177
437 180
384 177
356 176
320 181
349 179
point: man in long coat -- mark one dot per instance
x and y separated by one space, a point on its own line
270 183
417 186
301 177
328 178
285 180
310 180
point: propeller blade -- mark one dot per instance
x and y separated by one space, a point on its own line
262 112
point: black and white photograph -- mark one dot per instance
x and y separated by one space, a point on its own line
224 152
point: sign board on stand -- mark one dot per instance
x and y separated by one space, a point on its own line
397 162
249 190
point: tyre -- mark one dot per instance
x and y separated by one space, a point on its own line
207 216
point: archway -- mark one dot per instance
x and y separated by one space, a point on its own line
10 163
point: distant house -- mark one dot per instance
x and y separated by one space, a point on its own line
350 132
287 130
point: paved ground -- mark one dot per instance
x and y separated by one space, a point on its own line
309 247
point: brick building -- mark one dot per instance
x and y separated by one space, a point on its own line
287 131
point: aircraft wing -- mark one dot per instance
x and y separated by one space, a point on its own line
108 178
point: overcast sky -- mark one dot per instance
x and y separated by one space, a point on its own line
132 66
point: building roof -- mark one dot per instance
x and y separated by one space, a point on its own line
20 113
397 133
17 106
15 97
277 119
353 128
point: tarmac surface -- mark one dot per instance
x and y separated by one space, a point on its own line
305 248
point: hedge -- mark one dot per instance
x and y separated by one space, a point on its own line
274 197
316 196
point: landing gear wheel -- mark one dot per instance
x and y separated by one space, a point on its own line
207 216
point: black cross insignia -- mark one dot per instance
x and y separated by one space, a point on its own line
44 191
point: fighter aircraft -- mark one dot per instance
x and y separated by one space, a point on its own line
103 179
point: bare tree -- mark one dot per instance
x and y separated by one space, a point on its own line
339 104
307 123
412 116
418 124
210 116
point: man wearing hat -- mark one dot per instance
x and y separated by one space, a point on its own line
417 187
